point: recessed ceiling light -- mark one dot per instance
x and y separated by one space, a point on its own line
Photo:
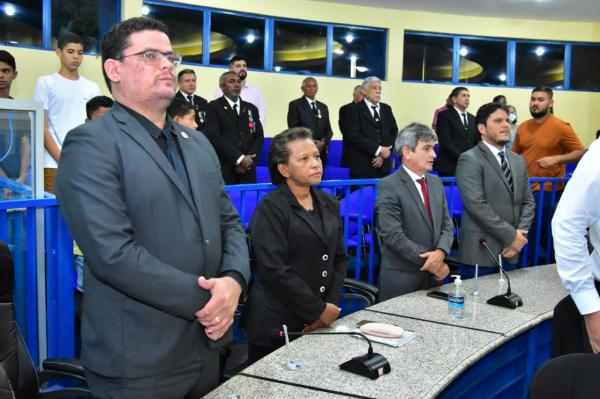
539 51
349 38
145 10
463 51
9 10
250 38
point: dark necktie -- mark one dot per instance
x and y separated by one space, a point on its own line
235 109
191 99
421 182
175 159
313 105
375 113
506 170
465 122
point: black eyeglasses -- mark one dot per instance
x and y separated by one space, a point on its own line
154 57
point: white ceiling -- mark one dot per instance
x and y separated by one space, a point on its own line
566 10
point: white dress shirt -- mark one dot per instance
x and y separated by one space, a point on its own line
237 104
414 178
372 111
578 210
495 151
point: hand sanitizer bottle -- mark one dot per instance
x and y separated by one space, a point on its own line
456 299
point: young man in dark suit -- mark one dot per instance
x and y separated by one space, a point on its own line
456 132
369 131
494 186
186 81
307 112
234 129
166 253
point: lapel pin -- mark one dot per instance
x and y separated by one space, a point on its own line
185 135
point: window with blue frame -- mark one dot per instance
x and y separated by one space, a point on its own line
585 64
232 34
482 62
358 52
271 43
23 23
457 59
300 47
427 58
540 64
185 29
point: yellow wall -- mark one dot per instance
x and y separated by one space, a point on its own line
410 101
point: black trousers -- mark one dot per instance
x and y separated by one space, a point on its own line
568 329
190 382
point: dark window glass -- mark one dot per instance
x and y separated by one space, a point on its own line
482 61
233 34
427 58
540 65
185 29
585 64
359 52
300 47
90 19
21 23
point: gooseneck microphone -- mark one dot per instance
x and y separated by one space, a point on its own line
509 299
371 365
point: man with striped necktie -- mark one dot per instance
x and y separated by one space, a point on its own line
494 185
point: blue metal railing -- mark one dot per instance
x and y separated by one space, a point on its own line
19 230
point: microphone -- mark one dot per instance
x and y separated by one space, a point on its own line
371 365
509 299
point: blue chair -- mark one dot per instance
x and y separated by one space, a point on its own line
263 159
336 173
262 174
334 153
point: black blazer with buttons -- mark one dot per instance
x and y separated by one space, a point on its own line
362 137
299 267
454 139
300 114
201 105
231 136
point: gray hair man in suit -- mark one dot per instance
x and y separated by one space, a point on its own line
166 254
494 185
413 222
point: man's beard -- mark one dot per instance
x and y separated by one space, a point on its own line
242 75
539 114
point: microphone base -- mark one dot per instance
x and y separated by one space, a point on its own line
371 367
511 301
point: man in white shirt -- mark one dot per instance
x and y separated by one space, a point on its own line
64 95
576 323
251 94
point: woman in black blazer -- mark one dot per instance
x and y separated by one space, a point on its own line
298 244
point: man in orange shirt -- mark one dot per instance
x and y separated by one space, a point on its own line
547 143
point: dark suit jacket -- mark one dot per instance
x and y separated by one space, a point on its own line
146 241
454 139
201 105
362 137
299 266
301 115
232 136
405 228
491 210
